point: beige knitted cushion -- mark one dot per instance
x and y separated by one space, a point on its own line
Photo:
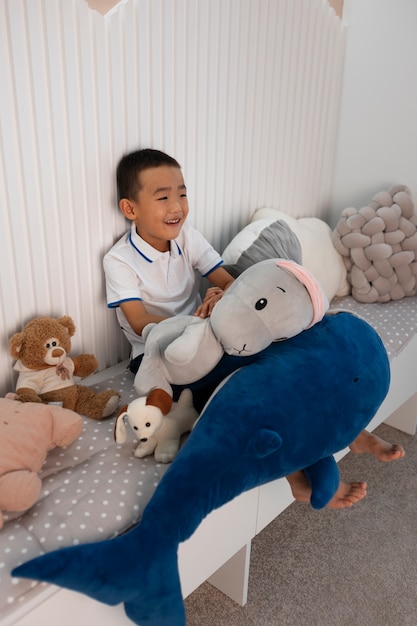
378 244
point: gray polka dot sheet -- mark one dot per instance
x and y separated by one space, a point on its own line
93 489
96 489
394 321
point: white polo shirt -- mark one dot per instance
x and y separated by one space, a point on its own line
166 282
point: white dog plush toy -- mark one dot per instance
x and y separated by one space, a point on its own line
272 300
163 441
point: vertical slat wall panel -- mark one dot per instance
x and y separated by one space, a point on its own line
245 94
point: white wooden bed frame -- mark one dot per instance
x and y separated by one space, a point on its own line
219 551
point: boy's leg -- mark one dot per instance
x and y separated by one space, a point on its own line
204 387
367 442
135 363
346 495
349 493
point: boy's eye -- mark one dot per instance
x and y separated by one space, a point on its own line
163 198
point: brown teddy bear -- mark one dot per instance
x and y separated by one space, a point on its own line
27 432
46 370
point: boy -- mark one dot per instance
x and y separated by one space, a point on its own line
152 273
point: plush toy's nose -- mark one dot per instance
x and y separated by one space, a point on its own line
144 439
57 352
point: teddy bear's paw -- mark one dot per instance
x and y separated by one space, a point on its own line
28 397
11 396
111 405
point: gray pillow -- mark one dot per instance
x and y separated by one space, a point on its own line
275 241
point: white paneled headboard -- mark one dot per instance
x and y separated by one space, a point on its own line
244 94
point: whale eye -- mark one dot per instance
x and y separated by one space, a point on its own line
261 304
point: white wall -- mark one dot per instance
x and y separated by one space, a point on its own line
245 94
377 144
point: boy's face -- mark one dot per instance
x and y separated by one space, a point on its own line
161 206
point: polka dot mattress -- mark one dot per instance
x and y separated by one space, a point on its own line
91 490
96 489
394 321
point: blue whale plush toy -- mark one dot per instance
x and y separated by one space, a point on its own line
291 407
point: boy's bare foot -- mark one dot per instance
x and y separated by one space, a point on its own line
346 495
380 449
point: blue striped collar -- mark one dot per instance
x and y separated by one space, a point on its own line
146 251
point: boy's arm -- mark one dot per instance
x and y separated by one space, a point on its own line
221 280
136 315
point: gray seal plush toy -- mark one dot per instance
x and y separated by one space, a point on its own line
270 301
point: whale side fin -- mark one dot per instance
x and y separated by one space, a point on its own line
324 479
263 443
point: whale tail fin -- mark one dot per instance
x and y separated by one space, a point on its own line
129 569
167 611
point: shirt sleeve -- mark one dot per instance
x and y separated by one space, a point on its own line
121 281
205 258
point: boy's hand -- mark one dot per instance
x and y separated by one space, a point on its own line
213 295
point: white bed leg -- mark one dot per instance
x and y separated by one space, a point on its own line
232 577
405 417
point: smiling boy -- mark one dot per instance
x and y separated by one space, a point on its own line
154 271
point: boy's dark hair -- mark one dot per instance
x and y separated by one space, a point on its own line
132 164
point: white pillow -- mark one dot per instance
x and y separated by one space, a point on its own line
315 237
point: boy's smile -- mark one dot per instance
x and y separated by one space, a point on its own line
161 206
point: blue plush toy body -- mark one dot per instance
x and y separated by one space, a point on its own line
295 405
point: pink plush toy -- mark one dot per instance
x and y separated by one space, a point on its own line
28 431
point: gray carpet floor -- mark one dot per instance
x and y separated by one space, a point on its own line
355 567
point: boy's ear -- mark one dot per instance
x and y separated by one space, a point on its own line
127 209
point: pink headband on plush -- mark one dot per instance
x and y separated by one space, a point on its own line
317 295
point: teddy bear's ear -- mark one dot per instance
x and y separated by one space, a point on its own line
15 344
68 323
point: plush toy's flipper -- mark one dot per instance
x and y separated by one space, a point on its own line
121 570
324 479
197 339
264 443
82 568
165 610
